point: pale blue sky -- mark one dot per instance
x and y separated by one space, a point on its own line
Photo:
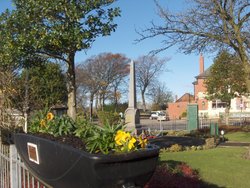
138 14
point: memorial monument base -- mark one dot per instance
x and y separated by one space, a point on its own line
132 120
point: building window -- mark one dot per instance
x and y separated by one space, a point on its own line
218 104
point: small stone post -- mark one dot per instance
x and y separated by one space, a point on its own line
132 114
13 167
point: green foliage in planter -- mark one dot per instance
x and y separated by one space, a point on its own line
84 128
99 138
108 117
46 122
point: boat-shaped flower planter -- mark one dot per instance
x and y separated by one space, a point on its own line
62 166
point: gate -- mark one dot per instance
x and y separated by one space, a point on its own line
192 117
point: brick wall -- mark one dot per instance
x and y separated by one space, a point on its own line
175 110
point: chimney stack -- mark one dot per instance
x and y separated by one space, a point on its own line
201 63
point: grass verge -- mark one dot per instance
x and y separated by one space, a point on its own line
238 136
223 167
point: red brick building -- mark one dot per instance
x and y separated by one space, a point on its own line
211 109
176 109
199 87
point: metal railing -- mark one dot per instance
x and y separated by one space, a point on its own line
13 172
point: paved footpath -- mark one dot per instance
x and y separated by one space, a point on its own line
232 143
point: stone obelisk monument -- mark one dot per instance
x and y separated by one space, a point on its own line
132 114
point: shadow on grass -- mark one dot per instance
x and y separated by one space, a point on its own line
176 174
167 141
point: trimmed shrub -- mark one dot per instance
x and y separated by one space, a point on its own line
176 148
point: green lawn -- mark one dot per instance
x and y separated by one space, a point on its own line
223 167
238 136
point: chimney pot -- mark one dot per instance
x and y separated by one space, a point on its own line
201 63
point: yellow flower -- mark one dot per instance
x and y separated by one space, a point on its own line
131 143
118 137
42 123
121 137
50 116
143 142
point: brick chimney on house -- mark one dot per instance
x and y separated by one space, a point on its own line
201 63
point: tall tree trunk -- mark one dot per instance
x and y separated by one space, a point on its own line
227 115
143 100
247 69
227 112
91 107
115 99
71 86
103 101
97 103
241 50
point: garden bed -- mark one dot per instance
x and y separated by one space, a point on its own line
168 141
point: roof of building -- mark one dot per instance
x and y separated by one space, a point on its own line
187 97
205 74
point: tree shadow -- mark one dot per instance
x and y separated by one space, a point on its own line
167 141
177 174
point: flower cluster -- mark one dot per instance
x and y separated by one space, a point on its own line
51 124
43 122
126 142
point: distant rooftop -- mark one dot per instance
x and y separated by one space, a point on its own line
205 74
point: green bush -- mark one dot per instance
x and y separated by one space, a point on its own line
184 114
200 133
111 118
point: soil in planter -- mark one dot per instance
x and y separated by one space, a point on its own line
67 139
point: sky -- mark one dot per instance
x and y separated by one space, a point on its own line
136 15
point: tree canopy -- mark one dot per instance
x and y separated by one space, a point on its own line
147 70
57 30
47 85
226 79
160 96
205 26
102 76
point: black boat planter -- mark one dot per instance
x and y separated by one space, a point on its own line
62 166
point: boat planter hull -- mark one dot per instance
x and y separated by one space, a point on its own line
62 166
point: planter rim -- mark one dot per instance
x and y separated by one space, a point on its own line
150 150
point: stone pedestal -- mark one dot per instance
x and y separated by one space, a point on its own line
132 120
132 114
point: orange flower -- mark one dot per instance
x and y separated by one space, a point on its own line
50 116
